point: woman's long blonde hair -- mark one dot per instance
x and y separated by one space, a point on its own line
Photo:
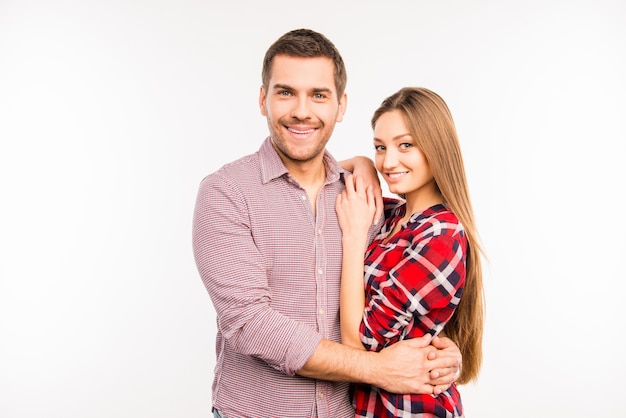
431 125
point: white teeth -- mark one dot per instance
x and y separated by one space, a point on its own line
295 131
394 175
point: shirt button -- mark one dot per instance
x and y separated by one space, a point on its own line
320 271
319 232
303 197
321 311
321 395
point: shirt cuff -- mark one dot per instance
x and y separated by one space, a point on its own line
303 344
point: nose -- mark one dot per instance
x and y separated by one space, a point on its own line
390 159
301 109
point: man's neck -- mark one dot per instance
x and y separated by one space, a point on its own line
310 175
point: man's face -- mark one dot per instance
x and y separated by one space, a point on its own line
301 107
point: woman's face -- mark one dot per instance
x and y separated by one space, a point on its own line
398 159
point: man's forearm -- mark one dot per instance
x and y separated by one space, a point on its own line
403 367
337 362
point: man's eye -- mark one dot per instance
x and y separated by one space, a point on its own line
284 93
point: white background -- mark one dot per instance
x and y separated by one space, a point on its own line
111 112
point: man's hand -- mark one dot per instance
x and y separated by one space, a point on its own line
405 367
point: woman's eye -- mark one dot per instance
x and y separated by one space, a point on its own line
405 145
379 147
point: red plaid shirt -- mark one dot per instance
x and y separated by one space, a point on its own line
414 283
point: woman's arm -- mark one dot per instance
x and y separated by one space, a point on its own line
421 290
355 210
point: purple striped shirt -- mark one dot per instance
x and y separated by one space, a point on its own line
272 268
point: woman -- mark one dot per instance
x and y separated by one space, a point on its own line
423 270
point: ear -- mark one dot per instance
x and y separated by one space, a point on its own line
262 97
343 104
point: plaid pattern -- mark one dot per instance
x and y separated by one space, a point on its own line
414 283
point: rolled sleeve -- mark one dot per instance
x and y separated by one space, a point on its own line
234 273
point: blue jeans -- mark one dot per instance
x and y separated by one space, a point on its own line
216 413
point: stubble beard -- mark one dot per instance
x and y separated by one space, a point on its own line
282 147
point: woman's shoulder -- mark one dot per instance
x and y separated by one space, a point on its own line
442 213
438 220
391 205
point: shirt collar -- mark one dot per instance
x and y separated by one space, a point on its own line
272 166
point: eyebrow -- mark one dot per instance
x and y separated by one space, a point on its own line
322 90
281 87
395 138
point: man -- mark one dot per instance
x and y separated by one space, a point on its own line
267 245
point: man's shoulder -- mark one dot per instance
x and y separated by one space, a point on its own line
242 167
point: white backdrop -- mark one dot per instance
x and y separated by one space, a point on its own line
111 112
